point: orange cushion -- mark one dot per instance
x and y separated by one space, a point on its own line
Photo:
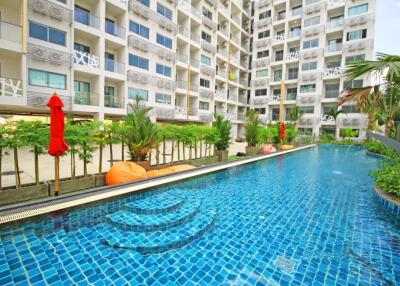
287 147
123 172
159 172
182 167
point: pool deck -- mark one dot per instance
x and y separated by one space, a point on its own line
41 207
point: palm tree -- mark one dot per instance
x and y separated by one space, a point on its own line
294 114
370 99
334 112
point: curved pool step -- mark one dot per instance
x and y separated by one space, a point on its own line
136 222
159 241
155 205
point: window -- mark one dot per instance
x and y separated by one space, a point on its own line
139 62
205 60
275 114
261 92
109 97
165 41
133 93
311 44
264 34
357 10
332 65
164 70
277 75
261 110
357 83
276 92
356 35
109 62
336 22
355 58
47 79
307 109
204 83
291 93
294 50
139 29
264 15
262 73
82 92
81 48
295 31
82 15
206 37
162 10
47 34
110 27
293 73
311 21
163 98
307 88
145 2
309 66
262 54
332 90
335 45
203 105
296 11
207 13
279 56
349 109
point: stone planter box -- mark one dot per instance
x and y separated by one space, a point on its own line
222 155
70 185
25 193
252 150
100 180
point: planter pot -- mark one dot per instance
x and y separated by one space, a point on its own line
251 150
25 193
144 164
73 185
222 155
100 180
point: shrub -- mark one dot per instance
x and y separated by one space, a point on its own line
347 133
252 128
290 134
326 138
387 178
223 127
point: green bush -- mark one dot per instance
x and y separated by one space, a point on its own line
252 128
347 133
290 134
387 178
223 127
326 138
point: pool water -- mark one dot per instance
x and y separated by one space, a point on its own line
305 218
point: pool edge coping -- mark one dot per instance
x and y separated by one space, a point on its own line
387 202
37 208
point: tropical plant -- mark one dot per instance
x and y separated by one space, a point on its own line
223 127
141 132
3 145
252 127
387 177
86 142
211 137
100 140
290 134
346 133
71 136
14 140
268 135
295 113
112 136
334 112
35 134
370 99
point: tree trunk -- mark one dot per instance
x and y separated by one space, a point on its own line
36 154
205 149
84 161
388 127
164 155
190 152
371 122
195 149
179 151
101 158
73 164
201 148
172 150
158 154
123 151
16 169
111 151
184 155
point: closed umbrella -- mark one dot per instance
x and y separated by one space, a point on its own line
282 132
57 145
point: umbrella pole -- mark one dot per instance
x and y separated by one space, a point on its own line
57 174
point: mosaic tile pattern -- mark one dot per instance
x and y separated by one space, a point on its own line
156 205
307 218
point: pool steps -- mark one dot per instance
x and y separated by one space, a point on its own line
157 205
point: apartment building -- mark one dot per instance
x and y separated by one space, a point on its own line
187 59
306 45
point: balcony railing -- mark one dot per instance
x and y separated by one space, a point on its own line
114 66
86 59
332 93
278 38
87 19
195 37
183 31
115 30
194 62
85 98
220 95
294 34
10 87
334 48
333 72
54 10
113 101
224 31
335 24
182 57
222 73
10 32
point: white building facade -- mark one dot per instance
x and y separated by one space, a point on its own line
188 59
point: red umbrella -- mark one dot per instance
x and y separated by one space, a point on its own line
282 133
57 145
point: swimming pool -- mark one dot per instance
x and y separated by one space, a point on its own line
306 218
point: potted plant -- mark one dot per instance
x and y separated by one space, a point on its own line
252 129
141 133
223 129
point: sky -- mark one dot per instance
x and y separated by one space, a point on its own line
387 33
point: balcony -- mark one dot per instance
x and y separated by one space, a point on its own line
333 72
86 59
331 94
263 43
223 10
242 99
146 79
352 120
46 7
263 3
220 95
359 45
180 57
184 31
327 119
293 56
236 40
308 120
262 23
164 113
335 3
259 100
115 30
230 116
333 25
297 12
278 39
209 23
114 66
313 31
138 43
222 73
195 37
86 98
294 34
333 48
45 54
194 62
11 87
87 19
113 101
10 36
40 99
312 53
310 76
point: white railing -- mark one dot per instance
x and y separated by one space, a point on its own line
337 71
220 95
336 2
10 87
327 119
10 32
335 24
293 56
183 31
278 38
86 59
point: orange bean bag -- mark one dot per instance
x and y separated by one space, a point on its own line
183 167
169 170
286 147
124 172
